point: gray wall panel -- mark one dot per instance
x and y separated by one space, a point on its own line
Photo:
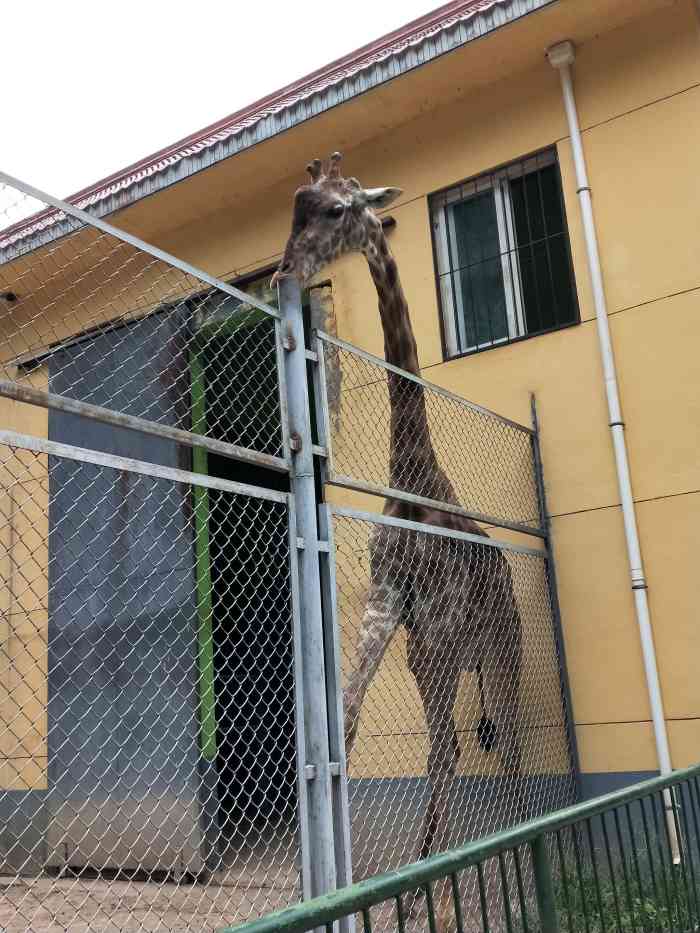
123 754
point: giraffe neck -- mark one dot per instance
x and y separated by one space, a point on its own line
399 341
412 462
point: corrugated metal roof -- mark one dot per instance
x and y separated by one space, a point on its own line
445 29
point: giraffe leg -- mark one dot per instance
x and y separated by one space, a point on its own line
437 678
382 616
501 670
486 729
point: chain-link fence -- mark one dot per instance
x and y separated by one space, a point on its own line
148 720
149 772
450 662
487 459
452 684
99 320
186 655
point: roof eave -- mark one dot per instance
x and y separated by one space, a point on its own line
453 37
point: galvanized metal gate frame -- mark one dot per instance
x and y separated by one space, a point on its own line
324 822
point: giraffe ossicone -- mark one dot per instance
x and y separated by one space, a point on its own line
332 215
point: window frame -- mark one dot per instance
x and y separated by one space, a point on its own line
449 298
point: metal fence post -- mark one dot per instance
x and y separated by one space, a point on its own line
554 600
341 806
316 771
544 888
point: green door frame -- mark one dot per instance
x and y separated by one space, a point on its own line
200 464
205 638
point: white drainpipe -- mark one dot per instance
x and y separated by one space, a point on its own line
561 57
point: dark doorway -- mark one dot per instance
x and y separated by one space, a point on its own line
247 564
253 653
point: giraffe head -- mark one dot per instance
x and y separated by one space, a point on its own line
332 215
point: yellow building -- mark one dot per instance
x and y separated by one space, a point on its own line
464 112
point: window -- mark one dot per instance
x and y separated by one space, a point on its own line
502 253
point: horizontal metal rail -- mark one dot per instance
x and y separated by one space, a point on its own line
378 519
375 489
81 454
359 897
438 390
139 244
32 396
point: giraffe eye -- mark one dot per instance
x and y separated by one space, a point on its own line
337 210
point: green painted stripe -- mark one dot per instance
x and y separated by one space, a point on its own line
205 642
229 325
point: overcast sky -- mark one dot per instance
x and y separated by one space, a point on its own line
90 86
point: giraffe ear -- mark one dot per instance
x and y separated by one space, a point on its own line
382 197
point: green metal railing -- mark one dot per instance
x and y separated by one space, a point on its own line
606 864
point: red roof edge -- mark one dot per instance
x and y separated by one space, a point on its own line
448 9
368 53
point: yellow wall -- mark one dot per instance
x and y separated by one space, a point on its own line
638 91
24 530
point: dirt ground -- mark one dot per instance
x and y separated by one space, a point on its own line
76 905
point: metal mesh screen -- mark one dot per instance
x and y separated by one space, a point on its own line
464 701
147 719
487 459
155 623
94 318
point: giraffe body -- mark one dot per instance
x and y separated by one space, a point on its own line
455 599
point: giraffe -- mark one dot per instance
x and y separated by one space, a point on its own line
455 601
